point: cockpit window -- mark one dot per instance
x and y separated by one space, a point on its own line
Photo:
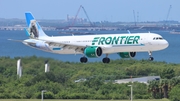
158 38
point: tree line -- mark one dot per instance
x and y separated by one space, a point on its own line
95 80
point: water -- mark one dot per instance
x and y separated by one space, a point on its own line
17 49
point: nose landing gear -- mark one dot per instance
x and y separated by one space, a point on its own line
150 56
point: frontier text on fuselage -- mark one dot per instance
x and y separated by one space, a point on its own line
115 40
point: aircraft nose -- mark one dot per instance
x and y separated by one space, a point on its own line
165 44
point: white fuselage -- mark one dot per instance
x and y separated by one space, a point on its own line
110 43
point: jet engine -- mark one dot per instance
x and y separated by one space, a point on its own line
40 45
93 51
127 54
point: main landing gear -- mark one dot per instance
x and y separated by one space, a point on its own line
106 59
83 59
150 56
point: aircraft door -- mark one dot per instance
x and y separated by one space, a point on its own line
147 42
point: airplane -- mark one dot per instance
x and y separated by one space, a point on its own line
93 46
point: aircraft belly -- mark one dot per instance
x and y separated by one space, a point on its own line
115 49
126 49
66 51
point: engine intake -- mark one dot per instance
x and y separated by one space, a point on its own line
127 54
93 51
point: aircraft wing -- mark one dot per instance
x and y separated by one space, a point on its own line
76 48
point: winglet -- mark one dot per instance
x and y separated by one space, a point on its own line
129 32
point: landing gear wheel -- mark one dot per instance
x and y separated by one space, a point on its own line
83 59
151 58
106 60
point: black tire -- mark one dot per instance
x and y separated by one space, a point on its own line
83 59
151 58
106 60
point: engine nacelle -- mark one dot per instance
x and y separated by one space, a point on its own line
93 51
41 45
127 54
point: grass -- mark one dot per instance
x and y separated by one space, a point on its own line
79 100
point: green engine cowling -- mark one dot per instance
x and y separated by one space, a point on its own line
93 51
127 54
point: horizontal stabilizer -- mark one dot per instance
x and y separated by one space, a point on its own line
16 40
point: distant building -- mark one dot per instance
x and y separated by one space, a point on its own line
80 80
141 79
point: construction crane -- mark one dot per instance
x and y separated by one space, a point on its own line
137 17
168 12
134 17
78 13
87 16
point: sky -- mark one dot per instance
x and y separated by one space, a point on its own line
97 10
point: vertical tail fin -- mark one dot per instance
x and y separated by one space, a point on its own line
34 30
